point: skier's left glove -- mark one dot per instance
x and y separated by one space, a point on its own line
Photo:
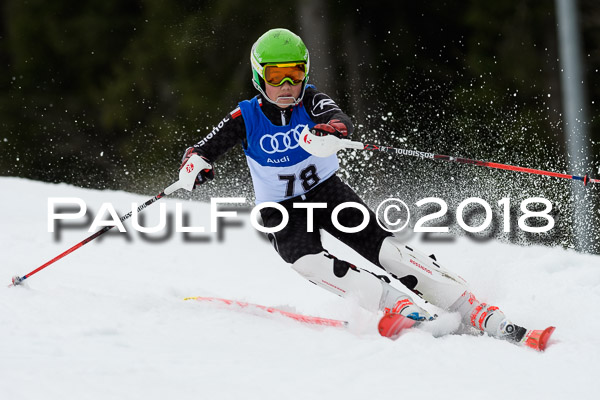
206 174
334 127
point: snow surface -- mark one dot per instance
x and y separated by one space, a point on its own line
109 320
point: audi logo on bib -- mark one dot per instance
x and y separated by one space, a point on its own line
281 141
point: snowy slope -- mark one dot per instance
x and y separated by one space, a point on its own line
109 320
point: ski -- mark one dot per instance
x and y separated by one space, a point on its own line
393 325
306 319
537 339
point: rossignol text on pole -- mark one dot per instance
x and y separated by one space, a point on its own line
323 146
585 179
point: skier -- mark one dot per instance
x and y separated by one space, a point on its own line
268 127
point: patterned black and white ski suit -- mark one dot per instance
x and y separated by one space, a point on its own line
284 173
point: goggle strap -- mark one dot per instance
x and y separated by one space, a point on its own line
256 65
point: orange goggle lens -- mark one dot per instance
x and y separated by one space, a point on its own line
278 74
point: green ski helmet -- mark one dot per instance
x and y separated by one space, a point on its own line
277 46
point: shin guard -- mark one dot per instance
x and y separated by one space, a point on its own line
368 290
421 274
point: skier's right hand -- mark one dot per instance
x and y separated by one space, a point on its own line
207 172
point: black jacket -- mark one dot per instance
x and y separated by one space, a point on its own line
232 129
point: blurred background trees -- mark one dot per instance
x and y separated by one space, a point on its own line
109 93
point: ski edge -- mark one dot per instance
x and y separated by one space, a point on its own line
306 319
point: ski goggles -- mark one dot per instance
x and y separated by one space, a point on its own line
278 74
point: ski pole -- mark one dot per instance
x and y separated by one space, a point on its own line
187 176
323 146
586 179
16 280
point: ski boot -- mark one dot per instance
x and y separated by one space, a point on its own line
404 315
491 320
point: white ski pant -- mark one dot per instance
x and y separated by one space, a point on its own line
419 273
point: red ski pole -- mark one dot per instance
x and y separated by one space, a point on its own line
187 176
585 179
324 146
16 280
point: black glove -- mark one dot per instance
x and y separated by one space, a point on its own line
334 127
206 174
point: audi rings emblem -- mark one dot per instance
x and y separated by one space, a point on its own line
281 141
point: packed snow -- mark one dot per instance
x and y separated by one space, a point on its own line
109 321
